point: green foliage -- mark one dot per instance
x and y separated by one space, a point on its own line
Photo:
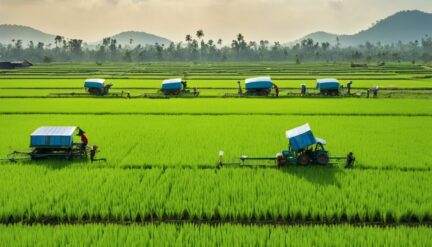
135 140
206 235
36 193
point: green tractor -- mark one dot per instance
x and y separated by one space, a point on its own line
303 149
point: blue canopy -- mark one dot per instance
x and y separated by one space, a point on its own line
258 83
172 84
327 84
300 137
94 83
53 136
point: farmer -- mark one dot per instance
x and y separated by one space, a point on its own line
93 152
184 84
276 88
350 160
349 87
240 91
375 91
84 140
303 89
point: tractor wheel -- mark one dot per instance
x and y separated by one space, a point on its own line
303 160
322 159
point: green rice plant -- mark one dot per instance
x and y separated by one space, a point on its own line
194 141
221 106
206 235
35 194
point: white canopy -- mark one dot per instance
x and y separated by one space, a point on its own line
328 80
171 81
319 140
258 79
99 81
54 131
297 131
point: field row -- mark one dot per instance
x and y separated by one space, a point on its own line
250 106
206 235
213 82
203 93
170 140
39 194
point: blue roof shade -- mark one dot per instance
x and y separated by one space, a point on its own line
301 137
259 83
53 136
94 83
172 84
327 84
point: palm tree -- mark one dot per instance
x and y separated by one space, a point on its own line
200 34
188 38
58 40
219 42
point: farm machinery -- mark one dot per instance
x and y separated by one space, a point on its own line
94 87
259 86
55 142
303 149
174 88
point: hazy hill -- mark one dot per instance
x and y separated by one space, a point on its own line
9 32
141 38
24 33
403 26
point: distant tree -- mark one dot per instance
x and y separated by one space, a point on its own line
219 42
200 34
31 45
58 40
75 46
188 38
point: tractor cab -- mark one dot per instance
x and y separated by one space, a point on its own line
259 86
304 148
176 87
328 87
97 87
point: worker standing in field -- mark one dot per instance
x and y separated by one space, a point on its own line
93 152
276 88
240 91
84 140
350 160
349 87
303 89
184 84
375 91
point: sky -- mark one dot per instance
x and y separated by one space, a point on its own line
274 20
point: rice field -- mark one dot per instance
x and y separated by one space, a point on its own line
160 186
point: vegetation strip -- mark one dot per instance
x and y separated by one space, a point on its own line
213 235
220 114
217 222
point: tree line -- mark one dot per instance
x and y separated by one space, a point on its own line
196 48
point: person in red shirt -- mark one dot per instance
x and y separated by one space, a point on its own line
84 140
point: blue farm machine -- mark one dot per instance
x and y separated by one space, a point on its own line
328 87
174 88
258 86
303 149
95 87
54 142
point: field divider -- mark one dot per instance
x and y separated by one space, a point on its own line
222 114
213 222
